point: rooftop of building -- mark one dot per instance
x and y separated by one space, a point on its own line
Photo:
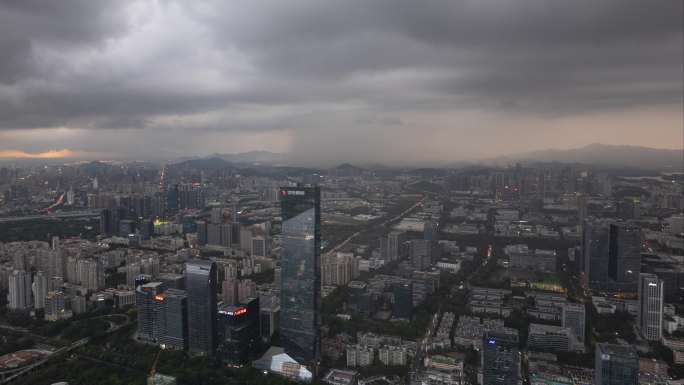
542 328
618 350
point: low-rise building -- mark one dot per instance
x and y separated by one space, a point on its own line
340 377
551 338
469 330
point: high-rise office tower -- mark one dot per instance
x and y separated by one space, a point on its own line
200 284
146 229
673 283
650 309
158 205
174 330
300 302
172 198
616 365
431 234
595 244
581 208
239 331
624 254
202 233
106 222
235 228
19 296
403 300
420 253
149 302
40 289
382 248
500 357
431 231
395 240
574 318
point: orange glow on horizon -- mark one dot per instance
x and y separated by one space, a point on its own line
17 154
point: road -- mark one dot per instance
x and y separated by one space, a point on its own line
25 332
422 348
8 376
383 223
65 215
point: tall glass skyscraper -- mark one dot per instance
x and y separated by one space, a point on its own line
624 261
500 357
175 327
300 300
616 365
200 284
595 242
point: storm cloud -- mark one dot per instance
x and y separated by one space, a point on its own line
378 81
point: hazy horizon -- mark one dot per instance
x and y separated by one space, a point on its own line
334 82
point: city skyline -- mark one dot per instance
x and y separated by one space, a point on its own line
384 83
342 192
243 272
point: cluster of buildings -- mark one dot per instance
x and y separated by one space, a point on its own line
193 269
52 279
388 350
521 257
442 337
219 315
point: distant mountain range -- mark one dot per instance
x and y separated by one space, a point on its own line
604 155
252 157
594 154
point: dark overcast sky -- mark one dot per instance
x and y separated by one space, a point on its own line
338 80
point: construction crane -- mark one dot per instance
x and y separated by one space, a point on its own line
153 369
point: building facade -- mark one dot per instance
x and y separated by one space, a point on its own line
500 358
239 332
40 289
574 318
200 283
624 254
616 365
19 290
174 331
650 312
149 302
300 300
